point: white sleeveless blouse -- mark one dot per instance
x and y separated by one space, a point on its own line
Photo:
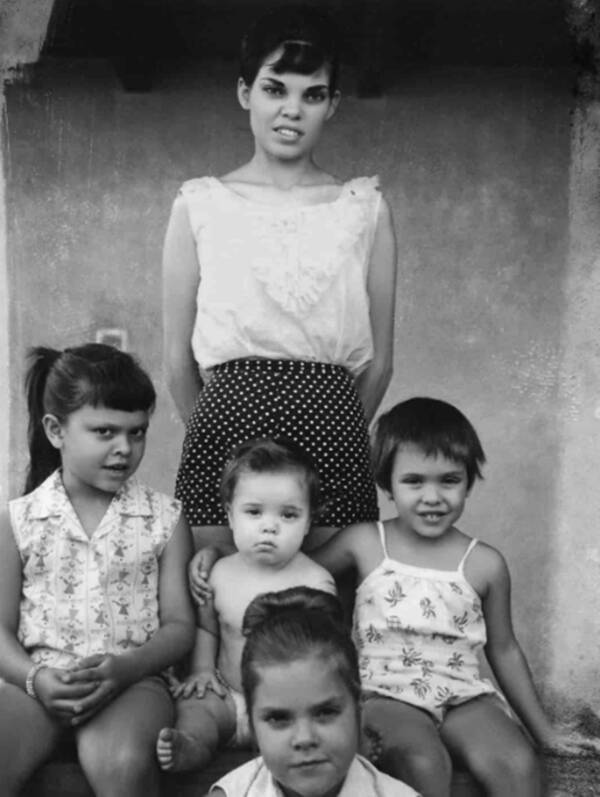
282 282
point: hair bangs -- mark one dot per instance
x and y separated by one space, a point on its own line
113 384
302 58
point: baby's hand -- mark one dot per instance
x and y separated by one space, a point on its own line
566 741
199 682
198 572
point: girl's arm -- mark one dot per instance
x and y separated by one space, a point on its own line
508 661
342 551
14 661
204 659
56 696
181 277
173 639
372 383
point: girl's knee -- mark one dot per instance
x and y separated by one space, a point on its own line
122 766
428 763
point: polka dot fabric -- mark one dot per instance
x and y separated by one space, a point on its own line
313 403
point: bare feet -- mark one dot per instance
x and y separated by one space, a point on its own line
179 752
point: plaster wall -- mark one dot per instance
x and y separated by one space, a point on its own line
475 163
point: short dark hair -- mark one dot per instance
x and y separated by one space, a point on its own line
271 455
435 426
294 624
306 33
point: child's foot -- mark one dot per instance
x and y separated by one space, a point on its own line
177 751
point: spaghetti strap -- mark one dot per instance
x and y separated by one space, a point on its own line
381 530
472 544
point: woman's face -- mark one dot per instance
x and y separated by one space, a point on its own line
288 110
306 725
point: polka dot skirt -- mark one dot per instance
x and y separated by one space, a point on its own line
313 403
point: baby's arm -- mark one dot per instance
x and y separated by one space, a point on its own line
173 639
181 276
204 659
57 697
508 661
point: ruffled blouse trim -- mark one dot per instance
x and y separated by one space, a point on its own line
296 252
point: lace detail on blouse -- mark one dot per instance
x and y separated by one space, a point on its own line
300 251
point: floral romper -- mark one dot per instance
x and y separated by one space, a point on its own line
419 633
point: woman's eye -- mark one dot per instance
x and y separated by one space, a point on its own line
274 91
316 96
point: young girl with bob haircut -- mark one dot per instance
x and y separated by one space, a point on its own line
430 599
301 685
93 590
279 288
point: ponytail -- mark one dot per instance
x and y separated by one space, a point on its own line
43 457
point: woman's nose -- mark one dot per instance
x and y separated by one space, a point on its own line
291 107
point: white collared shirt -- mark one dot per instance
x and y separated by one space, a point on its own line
253 779
83 595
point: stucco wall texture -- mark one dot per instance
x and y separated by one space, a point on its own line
476 165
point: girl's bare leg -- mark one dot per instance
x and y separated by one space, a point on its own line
412 750
28 735
486 741
116 746
203 724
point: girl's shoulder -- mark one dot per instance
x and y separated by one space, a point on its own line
484 566
137 498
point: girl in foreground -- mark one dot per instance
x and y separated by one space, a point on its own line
93 590
300 682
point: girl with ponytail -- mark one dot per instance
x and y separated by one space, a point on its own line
93 591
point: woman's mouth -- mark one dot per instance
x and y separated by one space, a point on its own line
289 133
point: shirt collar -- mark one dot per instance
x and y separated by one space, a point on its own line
50 499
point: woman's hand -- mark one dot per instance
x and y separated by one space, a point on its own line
110 676
198 572
198 683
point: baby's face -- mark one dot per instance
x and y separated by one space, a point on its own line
270 515
306 725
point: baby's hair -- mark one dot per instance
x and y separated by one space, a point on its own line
294 624
307 35
434 426
271 455
61 382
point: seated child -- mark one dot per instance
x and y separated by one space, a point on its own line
301 684
94 604
430 599
270 490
